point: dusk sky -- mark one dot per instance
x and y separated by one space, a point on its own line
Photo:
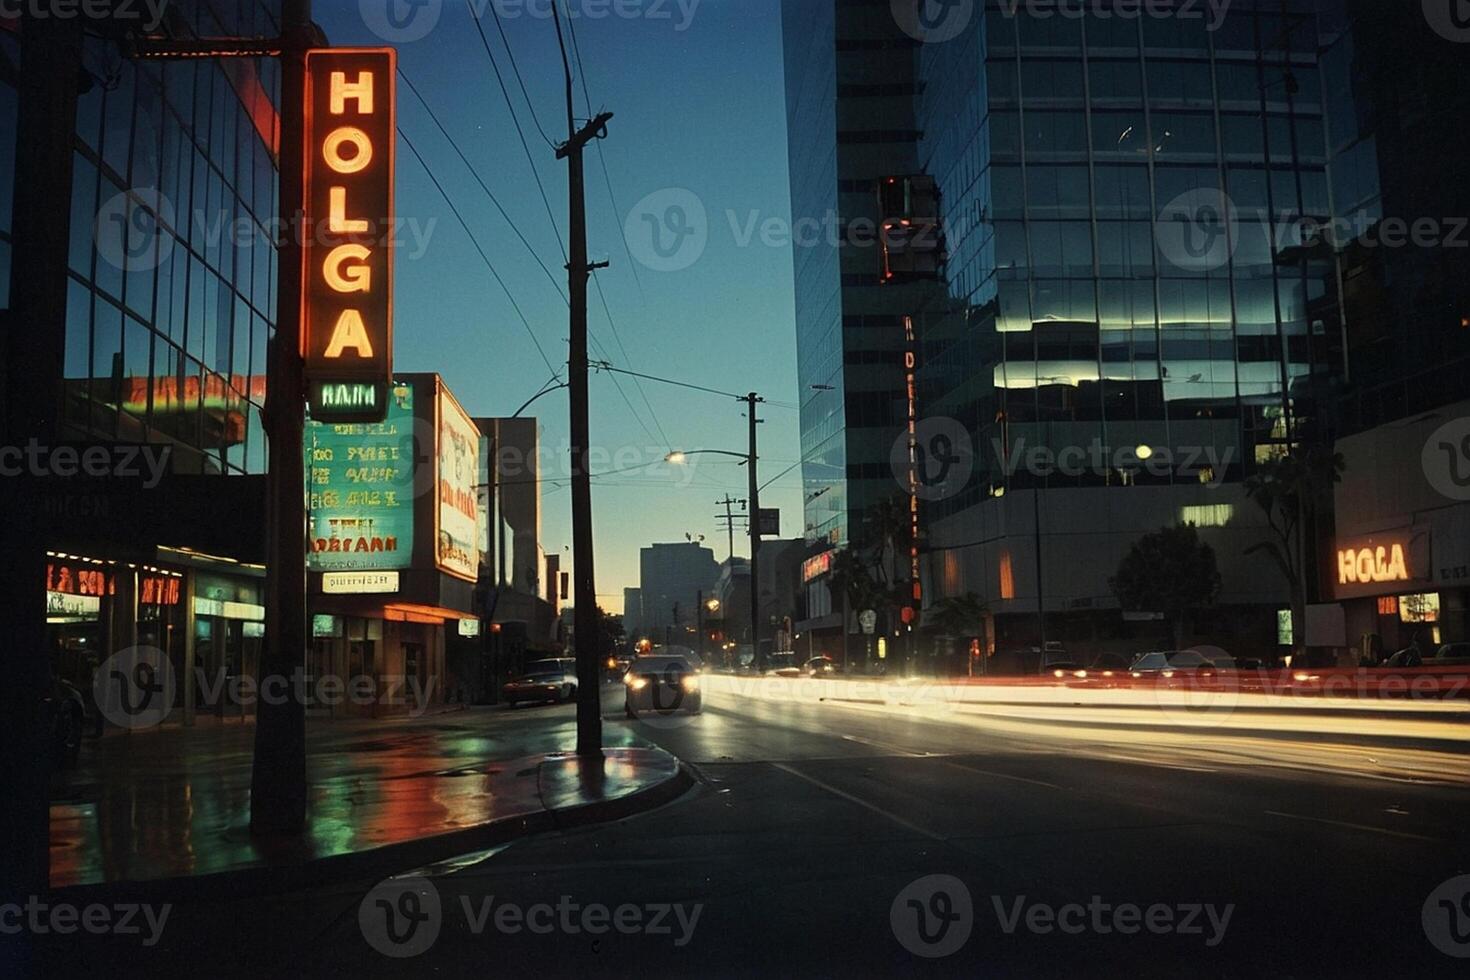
725 321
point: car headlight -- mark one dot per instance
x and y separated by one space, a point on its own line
690 682
637 683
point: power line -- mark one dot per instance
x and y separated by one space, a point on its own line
474 241
520 81
475 173
505 93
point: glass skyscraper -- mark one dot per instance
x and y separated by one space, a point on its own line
172 273
1122 273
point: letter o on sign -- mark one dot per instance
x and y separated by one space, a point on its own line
363 150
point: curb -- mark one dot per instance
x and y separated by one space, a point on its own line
380 862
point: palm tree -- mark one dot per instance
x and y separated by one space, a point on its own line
1293 490
886 523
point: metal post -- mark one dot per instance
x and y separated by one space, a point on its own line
751 400
278 777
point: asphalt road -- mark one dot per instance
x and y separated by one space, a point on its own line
808 847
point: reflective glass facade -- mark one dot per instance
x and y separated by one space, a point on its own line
850 122
172 264
1075 311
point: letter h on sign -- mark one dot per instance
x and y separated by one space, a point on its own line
347 303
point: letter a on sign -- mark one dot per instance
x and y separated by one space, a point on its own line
347 297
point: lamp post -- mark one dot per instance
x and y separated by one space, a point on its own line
678 457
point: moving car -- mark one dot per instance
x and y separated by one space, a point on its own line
1166 663
543 681
662 684
821 667
782 665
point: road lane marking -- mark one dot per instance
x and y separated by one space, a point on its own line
1355 826
1001 775
890 747
859 801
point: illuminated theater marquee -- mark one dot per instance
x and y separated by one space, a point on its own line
347 307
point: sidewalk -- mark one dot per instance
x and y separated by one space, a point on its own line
174 804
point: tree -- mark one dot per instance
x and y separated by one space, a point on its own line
1293 490
1170 571
613 633
963 615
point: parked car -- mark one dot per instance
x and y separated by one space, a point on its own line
66 713
543 681
662 684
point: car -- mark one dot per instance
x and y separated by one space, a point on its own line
821 667
662 684
544 681
1459 652
782 665
1166 663
65 712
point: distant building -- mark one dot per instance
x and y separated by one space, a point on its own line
672 577
633 613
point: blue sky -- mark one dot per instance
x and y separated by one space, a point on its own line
697 93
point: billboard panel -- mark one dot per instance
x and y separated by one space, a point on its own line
458 533
360 477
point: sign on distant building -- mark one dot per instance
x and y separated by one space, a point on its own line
347 247
458 533
361 482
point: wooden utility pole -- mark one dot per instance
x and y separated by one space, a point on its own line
751 401
586 622
278 776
